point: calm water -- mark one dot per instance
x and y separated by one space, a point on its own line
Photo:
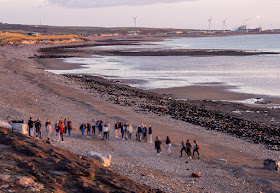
249 74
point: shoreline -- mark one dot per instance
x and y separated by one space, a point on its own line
209 91
31 91
200 97
213 115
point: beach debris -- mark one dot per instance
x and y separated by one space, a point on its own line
271 164
105 159
196 175
5 124
222 160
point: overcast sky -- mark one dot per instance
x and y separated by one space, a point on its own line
150 13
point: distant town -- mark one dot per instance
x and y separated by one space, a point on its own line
37 30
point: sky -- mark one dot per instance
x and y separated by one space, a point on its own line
185 14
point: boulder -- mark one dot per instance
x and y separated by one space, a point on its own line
195 175
105 159
20 127
271 164
5 124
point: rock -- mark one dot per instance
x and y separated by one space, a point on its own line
26 181
20 127
5 124
105 159
195 175
271 164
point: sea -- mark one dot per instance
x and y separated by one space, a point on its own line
259 74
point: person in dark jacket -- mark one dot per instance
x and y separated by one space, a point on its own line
69 126
144 132
150 133
83 128
31 127
93 126
88 129
183 147
139 132
38 126
158 144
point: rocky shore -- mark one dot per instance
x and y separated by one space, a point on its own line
252 124
78 49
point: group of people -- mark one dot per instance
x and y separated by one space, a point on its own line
90 127
122 130
35 128
158 144
60 128
187 146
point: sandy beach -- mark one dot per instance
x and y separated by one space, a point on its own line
227 163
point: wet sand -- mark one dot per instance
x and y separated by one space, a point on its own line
215 92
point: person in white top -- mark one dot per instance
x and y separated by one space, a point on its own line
49 131
106 131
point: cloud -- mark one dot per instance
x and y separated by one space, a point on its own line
108 3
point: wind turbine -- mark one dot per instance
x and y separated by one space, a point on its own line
224 25
135 21
210 24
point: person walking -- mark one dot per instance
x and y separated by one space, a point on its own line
129 131
195 147
93 126
189 147
88 130
69 126
168 143
30 127
38 126
150 133
158 144
49 130
183 147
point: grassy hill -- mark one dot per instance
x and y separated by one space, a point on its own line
19 38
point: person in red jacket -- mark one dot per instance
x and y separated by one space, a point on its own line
61 130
